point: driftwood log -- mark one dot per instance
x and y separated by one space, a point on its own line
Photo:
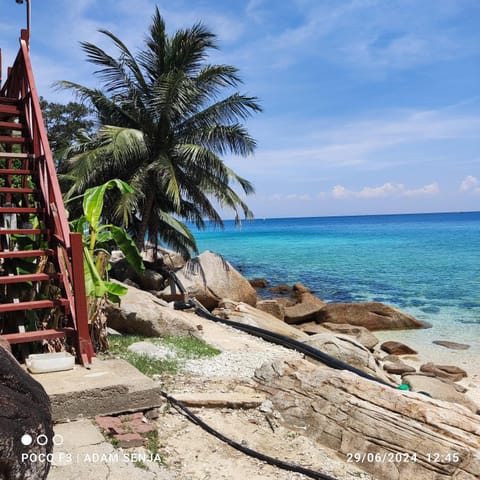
24 410
392 434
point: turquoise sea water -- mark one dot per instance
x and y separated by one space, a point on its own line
425 264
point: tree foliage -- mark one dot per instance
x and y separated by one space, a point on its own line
63 123
167 118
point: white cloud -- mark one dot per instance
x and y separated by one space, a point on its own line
431 189
469 183
388 189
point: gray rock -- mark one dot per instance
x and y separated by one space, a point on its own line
163 256
243 313
398 368
141 313
210 279
347 350
352 415
272 307
371 315
450 372
302 312
451 345
397 348
361 334
439 389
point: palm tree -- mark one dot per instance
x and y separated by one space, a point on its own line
164 128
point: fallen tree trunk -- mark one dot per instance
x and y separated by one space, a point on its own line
394 435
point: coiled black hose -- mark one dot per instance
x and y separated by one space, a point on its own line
248 451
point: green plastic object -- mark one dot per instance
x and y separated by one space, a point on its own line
403 386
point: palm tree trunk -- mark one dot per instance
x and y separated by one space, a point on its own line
147 207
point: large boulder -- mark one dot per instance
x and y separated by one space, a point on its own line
302 312
371 315
393 434
25 415
248 315
360 334
272 307
347 350
141 313
303 294
210 278
163 257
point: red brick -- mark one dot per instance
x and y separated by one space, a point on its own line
118 430
129 440
107 422
144 428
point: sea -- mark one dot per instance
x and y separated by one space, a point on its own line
427 265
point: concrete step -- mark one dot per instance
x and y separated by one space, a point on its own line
109 387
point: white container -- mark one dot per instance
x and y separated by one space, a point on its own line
50 362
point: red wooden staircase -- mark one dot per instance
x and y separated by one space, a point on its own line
42 285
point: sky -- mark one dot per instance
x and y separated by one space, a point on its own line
369 106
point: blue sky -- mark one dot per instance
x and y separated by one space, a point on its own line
370 106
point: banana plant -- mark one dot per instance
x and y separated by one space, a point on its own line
98 238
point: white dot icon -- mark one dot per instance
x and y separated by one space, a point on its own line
26 440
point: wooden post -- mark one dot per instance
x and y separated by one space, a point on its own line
85 347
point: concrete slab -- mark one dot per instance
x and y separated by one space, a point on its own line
81 453
111 386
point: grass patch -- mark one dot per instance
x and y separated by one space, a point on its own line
185 349
153 442
191 348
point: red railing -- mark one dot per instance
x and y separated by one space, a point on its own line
20 85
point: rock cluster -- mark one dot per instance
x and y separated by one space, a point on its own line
342 411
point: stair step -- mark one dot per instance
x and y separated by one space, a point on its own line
18 190
9 109
25 253
37 335
15 155
22 231
15 307
20 210
31 277
12 140
11 125
13 171
9 100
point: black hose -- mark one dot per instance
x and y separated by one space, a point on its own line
248 451
278 339
301 347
